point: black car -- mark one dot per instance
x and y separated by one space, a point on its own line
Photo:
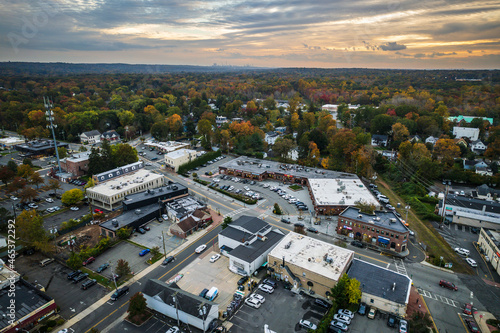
271 283
362 309
358 244
36 199
242 280
284 220
142 231
80 277
287 285
302 208
87 284
119 293
168 260
391 321
74 274
311 229
300 225
203 292
322 303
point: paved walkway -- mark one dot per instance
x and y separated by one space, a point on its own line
481 317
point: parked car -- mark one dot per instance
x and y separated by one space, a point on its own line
339 325
468 309
471 262
87 284
346 312
307 324
144 252
88 261
322 303
200 248
403 326
74 208
215 257
74 274
372 313
343 319
258 297
174 329
203 292
80 277
357 244
146 228
141 230
97 211
449 285
271 283
252 302
391 321
362 308
311 229
49 200
472 325
285 220
119 293
168 260
462 251
266 288
103 267
242 280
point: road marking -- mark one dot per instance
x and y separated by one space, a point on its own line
439 298
400 266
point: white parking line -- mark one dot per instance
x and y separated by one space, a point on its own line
439 298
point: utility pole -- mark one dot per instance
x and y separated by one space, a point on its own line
163 239
176 309
50 117
444 204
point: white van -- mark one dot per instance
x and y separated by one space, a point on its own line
45 262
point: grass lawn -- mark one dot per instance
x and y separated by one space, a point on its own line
295 187
425 232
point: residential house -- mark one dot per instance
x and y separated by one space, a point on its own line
415 138
487 193
432 140
474 164
191 223
461 141
484 171
110 136
219 120
380 140
90 137
271 137
478 147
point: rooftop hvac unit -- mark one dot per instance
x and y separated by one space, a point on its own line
377 218
393 220
264 238
287 246
114 222
360 216
146 175
174 187
137 211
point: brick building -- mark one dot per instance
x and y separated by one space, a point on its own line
76 164
381 229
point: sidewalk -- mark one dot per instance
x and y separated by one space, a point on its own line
480 317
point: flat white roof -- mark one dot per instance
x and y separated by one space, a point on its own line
340 191
314 255
168 146
78 157
105 188
11 139
179 153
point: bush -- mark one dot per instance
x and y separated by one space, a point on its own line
277 209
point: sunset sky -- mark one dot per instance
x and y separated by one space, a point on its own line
276 33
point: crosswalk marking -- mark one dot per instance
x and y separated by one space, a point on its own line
439 298
400 266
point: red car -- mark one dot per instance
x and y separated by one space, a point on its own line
97 211
472 325
468 309
88 261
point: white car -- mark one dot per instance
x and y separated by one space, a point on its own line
346 313
252 302
265 185
340 317
49 200
403 326
214 258
259 298
50 210
74 208
174 329
268 289
200 248
307 324
246 188
471 262
462 251
216 180
272 188
165 216
14 198
486 258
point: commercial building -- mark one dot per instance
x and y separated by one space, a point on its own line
247 242
112 186
326 200
168 146
309 264
469 119
39 147
31 305
170 301
381 229
332 196
76 164
7 143
90 137
132 219
180 208
470 211
489 242
386 290
175 159
466 132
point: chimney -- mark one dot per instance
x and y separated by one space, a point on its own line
484 208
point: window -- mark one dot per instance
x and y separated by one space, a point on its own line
377 231
304 274
372 301
397 236
392 235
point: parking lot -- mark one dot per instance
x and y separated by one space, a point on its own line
363 324
67 295
154 236
123 250
153 325
281 310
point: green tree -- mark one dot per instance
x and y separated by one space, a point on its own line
36 179
54 185
137 305
12 166
6 174
89 184
122 267
205 129
71 197
124 233
381 124
353 291
339 294
159 130
74 261
277 209
155 251
227 221
24 171
123 154
282 147
365 207
28 161
63 152
27 194
30 230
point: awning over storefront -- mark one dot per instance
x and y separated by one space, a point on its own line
383 240
348 228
